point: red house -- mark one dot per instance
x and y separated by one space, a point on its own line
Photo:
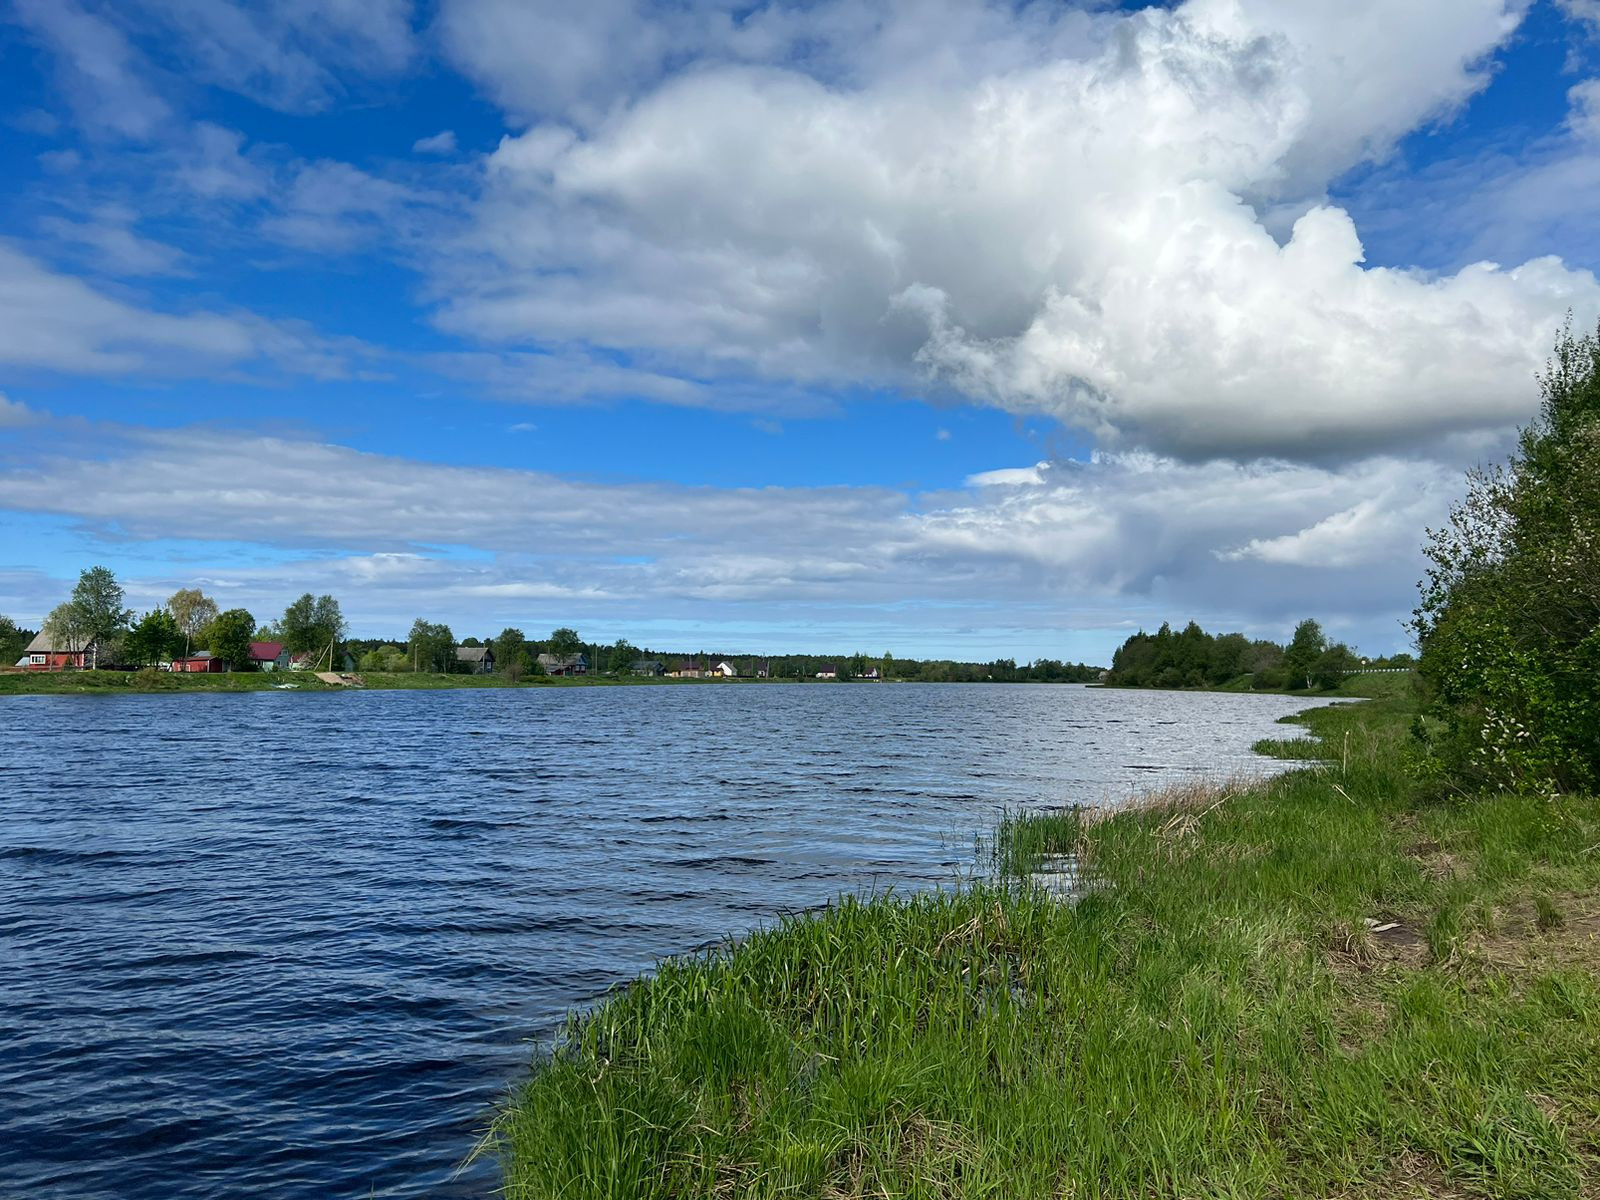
43 655
199 664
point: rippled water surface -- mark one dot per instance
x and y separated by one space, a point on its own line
295 945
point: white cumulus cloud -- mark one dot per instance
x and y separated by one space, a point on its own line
1067 219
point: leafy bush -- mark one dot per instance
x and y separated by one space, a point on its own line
1509 621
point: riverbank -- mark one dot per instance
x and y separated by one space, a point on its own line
20 683
1320 985
87 682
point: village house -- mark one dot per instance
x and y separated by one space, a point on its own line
687 669
649 666
202 662
269 656
828 672
726 670
476 660
574 664
43 654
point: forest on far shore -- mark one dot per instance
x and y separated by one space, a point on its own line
1194 658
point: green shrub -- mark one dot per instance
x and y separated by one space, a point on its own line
1509 622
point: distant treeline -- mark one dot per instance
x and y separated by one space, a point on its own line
431 648
1194 658
96 626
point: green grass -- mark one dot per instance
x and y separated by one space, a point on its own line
1214 1017
92 682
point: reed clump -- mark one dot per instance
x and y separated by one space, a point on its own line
1267 990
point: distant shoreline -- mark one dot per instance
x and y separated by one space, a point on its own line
144 683
80 683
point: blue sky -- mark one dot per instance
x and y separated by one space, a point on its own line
944 328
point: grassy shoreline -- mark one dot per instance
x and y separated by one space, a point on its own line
1319 985
25 683
145 683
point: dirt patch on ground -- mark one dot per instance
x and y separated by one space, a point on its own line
1375 943
1412 1176
1554 932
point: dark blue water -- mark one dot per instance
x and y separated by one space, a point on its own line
295 945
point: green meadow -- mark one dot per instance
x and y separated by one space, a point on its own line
1324 985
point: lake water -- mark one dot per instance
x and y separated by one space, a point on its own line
296 945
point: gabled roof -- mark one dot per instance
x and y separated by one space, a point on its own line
42 644
265 651
473 653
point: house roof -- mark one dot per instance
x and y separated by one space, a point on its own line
640 664
42 644
265 651
473 653
550 661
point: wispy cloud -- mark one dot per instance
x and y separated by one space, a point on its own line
1248 544
443 142
53 321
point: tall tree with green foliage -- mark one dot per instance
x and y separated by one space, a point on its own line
153 638
1301 654
621 657
432 646
102 615
511 654
193 610
313 625
229 638
1509 618
564 643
